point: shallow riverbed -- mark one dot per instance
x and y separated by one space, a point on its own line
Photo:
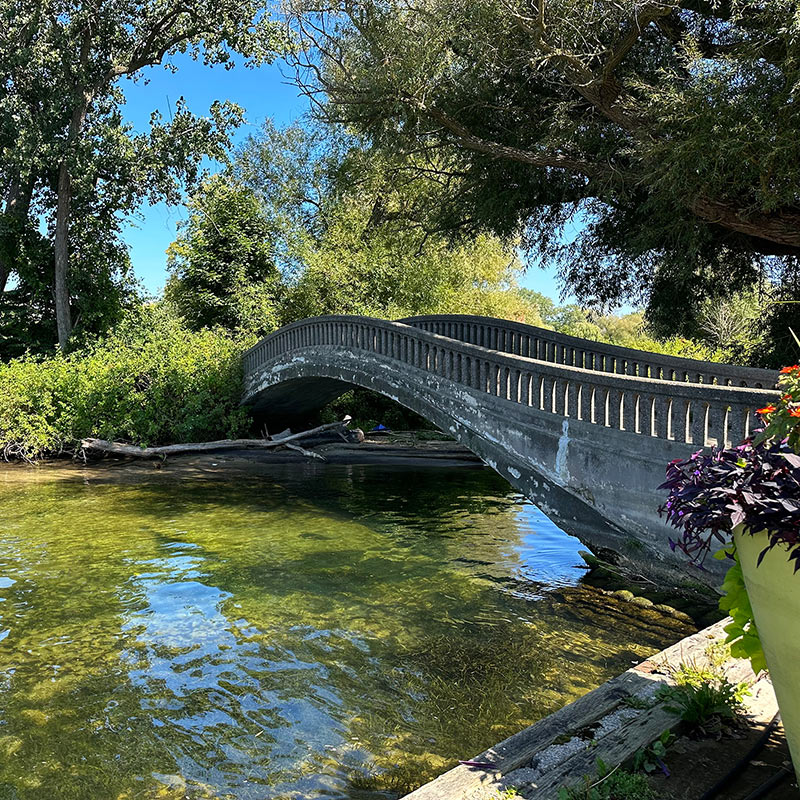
321 631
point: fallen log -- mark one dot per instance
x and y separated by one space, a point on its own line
121 449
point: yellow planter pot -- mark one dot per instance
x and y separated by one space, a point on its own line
774 592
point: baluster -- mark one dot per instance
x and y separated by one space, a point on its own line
573 401
552 395
737 427
659 419
628 417
681 427
698 412
616 399
483 375
527 381
715 424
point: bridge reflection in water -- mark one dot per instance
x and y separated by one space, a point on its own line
584 429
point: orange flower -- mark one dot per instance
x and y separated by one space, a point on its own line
787 370
795 412
766 410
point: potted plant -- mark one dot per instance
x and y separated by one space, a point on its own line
743 504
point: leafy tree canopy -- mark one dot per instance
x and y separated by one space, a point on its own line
332 217
67 158
665 131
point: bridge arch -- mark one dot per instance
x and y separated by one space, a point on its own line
578 427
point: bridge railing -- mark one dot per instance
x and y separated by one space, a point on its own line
517 338
700 414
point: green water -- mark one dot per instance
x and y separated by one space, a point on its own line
323 633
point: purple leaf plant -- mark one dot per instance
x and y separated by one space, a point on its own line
756 484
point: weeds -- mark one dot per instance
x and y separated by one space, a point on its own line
609 784
703 698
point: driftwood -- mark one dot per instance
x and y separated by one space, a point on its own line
306 453
121 449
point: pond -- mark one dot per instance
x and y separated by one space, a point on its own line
320 632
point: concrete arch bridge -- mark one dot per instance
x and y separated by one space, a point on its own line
583 429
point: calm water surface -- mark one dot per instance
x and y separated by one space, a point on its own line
329 632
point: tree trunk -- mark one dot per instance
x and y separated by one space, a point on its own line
61 253
63 213
17 206
121 449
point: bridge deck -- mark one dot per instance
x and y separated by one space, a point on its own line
695 402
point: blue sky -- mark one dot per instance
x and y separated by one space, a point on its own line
263 92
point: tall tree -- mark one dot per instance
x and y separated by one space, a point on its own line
222 265
62 63
664 131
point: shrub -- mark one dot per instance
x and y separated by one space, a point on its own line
151 381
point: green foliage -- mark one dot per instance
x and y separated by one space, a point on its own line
783 416
649 149
349 241
384 277
151 381
628 330
742 634
702 697
509 793
650 758
223 272
71 169
609 784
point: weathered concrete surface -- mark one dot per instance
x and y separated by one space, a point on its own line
602 490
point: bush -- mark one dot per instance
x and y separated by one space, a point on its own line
151 381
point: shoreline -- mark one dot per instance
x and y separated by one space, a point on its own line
383 452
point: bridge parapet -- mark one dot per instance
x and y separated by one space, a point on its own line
517 338
701 413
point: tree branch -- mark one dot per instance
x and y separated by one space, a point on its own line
780 227
473 142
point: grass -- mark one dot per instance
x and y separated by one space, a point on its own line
703 697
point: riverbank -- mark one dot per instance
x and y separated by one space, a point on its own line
400 450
